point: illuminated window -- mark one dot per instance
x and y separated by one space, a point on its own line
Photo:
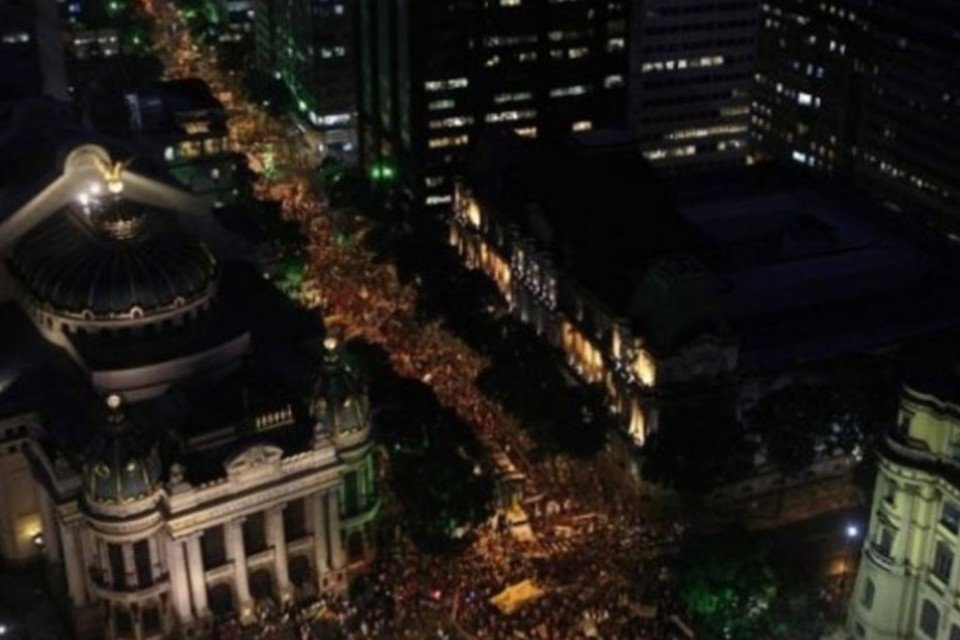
449 141
443 85
451 122
616 44
613 81
501 98
575 90
510 116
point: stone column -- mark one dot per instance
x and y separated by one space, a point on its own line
317 508
91 556
337 560
233 534
129 566
198 577
104 553
51 536
276 539
136 617
74 566
156 564
179 581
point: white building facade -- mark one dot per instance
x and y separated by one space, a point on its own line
180 502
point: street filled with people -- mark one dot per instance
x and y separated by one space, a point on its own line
597 560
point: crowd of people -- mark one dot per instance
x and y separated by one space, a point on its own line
598 563
603 583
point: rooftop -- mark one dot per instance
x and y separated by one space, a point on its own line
592 200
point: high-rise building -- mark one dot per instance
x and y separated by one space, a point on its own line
691 68
807 90
910 138
435 73
311 45
31 52
907 581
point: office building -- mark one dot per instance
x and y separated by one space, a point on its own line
434 74
690 74
909 143
311 45
808 90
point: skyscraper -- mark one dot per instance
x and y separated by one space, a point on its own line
311 45
435 73
691 68
808 87
910 137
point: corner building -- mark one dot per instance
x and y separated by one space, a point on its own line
907 584
176 445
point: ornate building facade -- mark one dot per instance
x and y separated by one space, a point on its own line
176 445
908 579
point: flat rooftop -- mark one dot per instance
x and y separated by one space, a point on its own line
805 269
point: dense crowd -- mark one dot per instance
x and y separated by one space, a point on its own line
599 563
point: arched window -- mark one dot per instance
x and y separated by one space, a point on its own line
869 591
929 619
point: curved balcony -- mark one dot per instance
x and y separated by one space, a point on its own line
127 595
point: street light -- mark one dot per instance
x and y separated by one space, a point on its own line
852 531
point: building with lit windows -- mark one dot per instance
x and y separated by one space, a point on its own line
178 125
312 46
808 88
907 579
176 444
690 74
909 142
435 73
728 283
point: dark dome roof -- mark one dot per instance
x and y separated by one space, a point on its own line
120 464
339 402
110 260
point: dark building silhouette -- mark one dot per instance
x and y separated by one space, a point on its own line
311 44
435 73
910 137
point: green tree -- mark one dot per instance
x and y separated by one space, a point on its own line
728 587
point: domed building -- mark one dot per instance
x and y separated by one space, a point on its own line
171 447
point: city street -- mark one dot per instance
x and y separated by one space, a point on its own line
570 557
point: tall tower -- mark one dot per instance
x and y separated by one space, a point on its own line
691 68
434 74
808 85
910 138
